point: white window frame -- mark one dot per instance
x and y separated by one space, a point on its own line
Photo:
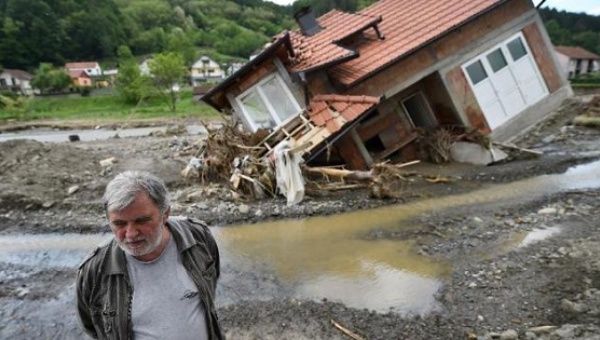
257 87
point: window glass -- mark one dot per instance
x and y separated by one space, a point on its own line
279 99
517 49
497 60
257 111
476 72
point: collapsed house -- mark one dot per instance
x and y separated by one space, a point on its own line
355 88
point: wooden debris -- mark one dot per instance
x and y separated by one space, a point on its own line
514 147
346 331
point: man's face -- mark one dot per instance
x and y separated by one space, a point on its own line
138 228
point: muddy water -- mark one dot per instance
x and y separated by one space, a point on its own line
51 250
57 136
330 257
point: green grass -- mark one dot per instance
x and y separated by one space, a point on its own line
107 107
585 85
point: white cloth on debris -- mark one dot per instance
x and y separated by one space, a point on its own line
287 171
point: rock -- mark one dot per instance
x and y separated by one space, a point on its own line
472 285
477 220
530 336
195 196
547 211
72 189
74 138
572 307
510 334
542 329
243 209
48 205
258 213
108 161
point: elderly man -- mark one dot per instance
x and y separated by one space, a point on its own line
156 278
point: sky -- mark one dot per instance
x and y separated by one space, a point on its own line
587 6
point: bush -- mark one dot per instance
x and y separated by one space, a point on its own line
85 91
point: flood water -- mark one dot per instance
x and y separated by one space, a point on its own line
58 136
327 257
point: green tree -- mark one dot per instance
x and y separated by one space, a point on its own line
131 85
179 42
168 69
49 79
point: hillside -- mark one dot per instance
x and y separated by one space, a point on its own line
56 31
573 29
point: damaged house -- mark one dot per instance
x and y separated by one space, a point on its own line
356 87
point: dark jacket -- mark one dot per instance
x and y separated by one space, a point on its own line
104 291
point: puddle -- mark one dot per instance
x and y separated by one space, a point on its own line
49 250
54 136
327 257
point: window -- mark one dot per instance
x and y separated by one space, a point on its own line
476 72
268 104
497 60
517 49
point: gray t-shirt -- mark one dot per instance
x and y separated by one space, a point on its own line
166 302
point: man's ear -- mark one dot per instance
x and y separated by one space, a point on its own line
166 215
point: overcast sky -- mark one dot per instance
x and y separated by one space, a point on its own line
588 6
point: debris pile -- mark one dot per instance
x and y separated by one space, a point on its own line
591 118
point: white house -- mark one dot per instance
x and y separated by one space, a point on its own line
91 68
17 81
233 68
575 61
205 69
145 67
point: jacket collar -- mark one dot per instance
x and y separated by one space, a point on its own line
183 237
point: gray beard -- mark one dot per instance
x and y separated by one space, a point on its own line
150 247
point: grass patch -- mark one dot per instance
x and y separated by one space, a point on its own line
585 85
105 107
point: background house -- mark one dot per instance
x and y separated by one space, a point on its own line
17 81
91 68
80 78
575 61
366 83
205 69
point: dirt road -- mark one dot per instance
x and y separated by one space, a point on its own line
517 262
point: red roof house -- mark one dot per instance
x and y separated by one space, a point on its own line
576 60
369 80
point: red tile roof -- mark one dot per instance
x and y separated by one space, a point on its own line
336 111
78 74
321 49
81 65
18 74
406 24
576 52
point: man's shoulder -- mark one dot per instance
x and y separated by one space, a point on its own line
189 223
94 257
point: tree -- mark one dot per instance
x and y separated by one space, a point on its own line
168 70
131 85
50 79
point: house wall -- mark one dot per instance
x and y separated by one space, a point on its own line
448 54
565 65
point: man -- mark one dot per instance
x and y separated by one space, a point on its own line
157 276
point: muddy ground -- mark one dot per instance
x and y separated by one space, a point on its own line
494 291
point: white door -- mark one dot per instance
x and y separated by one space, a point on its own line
505 80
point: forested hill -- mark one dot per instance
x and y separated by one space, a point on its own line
56 31
573 29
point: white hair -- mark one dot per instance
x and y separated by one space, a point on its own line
121 191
